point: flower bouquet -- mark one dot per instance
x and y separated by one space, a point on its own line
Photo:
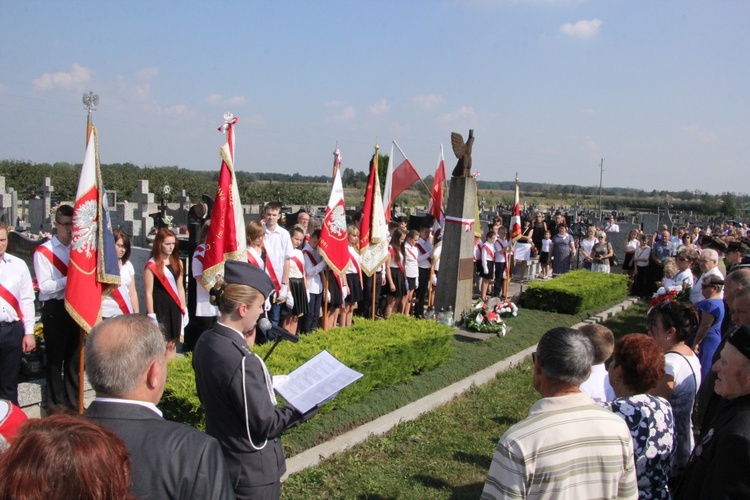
487 317
670 294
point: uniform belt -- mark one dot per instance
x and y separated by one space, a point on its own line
3 324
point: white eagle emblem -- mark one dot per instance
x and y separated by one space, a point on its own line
337 222
84 228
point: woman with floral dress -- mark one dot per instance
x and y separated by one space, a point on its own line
637 366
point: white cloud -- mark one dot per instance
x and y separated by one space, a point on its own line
347 114
146 74
698 134
218 99
581 29
177 111
462 112
75 79
379 108
430 101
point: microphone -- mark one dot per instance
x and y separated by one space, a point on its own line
276 332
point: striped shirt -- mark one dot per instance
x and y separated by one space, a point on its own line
567 448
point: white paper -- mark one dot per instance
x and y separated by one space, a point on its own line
316 381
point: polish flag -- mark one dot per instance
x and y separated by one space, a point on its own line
436 200
225 239
398 179
334 244
376 250
93 269
515 219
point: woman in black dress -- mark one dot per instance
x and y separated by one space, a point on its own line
164 288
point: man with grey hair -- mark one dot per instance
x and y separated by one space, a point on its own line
568 447
126 365
708 262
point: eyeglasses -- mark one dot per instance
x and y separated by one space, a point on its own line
64 224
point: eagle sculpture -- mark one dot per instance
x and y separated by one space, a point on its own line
462 150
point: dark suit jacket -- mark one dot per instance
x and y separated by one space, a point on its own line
217 361
169 460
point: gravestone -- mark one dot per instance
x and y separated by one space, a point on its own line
142 223
40 207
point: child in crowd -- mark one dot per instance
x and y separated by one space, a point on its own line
670 271
501 248
411 267
314 266
544 259
353 278
488 262
297 304
597 386
395 277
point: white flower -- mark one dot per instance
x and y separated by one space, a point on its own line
627 409
479 319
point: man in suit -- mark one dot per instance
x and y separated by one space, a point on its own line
126 365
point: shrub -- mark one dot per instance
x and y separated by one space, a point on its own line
576 291
386 352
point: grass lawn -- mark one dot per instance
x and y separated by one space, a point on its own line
445 453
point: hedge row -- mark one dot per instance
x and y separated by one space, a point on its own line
386 352
576 291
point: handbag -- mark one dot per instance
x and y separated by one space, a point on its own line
612 260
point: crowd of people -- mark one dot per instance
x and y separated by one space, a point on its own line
661 415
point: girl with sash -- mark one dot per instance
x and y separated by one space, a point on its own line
488 262
297 302
411 268
254 233
314 265
124 299
395 276
163 283
353 278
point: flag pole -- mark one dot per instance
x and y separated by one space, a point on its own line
90 102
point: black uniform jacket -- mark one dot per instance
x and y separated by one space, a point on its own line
219 375
168 460
720 465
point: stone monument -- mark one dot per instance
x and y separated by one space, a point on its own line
455 279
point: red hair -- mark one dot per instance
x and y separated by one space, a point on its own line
63 457
174 259
641 360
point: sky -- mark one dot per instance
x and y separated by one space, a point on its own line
657 90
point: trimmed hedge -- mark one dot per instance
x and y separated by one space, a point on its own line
576 291
386 352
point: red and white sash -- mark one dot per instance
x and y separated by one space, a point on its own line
353 260
398 261
490 251
300 265
252 259
12 301
411 253
272 273
125 306
310 256
168 282
54 259
423 251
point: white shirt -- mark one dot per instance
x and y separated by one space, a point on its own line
203 307
314 264
50 280
279 248
109 305
613 228
546 244
16 278
425 254
696 294
500 249
354 257
597 385
294 270
146 404
411 254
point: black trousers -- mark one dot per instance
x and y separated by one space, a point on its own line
499 278
11 352
195 329
311 320
61 338
422 289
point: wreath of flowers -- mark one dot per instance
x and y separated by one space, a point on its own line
487 317
677 293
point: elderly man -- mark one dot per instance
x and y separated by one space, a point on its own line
126 365
719 465
568 447
708 262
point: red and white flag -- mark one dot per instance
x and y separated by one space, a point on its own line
225 239
515 219
375 251
334 244
397 180
90 271
436 195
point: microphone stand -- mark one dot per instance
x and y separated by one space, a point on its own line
278 339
